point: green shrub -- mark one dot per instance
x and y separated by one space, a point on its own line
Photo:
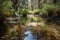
23 11
7 8
47 7
36 11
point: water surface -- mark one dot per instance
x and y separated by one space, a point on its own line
29 36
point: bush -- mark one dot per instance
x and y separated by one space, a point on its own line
51 13
47 7
7 8
23 11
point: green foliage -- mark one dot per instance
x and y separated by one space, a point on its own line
36 11
58 3
7 4
47 7
51 12
1 2
7 8
23 11
24 18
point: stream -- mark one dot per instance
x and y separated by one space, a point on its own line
29 36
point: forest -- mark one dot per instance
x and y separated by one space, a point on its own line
29 19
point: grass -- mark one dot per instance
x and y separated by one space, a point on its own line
46 33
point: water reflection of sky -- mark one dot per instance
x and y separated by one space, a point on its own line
29 36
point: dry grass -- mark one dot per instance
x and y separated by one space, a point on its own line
46 33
